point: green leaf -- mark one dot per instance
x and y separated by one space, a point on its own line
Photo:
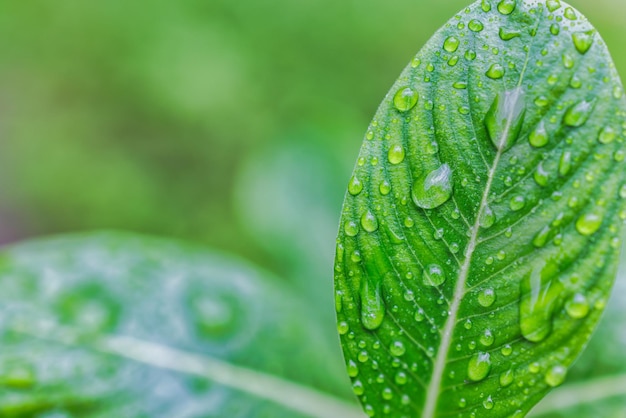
596 386
481 228
116 325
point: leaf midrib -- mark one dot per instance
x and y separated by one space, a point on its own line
433 390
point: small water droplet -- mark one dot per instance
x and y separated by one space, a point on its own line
505 117
607 135
506 350
541 295
553 5
369 222
589 223
506 378
372 305
487 218
488 403
570 14
351 228
578 114
565 163
539 137
495 71
577 306
506 7
541 239
384 187
470 55
583 40
434 275
434 189
343 328
555 29
397 349
479 367
541 176
451 44
358 388
405 99
475 25
517 203
568 61
556 375
485 5
355 186
486 297
507 36
419 315
487 338
396 154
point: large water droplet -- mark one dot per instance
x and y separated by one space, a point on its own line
495 72
556 375
565 163
405 99
541 296
487 338
475 25
487 218
541 176
355 186
486 297
577 306
506 378
583 40
589 223
434 275
607 135
506 7
372 305
397 349
369 222
578 113
539 137
479 366
351 228
505 117
396 154
507 36
553 5
434 189
451 44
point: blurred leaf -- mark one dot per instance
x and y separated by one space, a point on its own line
480 232
120 325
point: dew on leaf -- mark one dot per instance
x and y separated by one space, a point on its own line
541 176
451 44
540 297
588 223
372 305
351 228
434 189
396 154
607 135
506 7
475 25
506 378
505 118
577 306
486 297
434 275
570 14
539 136
517 203
488 403
556 375
507 36
479 367
565 163
495 71
487 218
487 338
583 40
553 5
578 113
397 349
355 186
405 99
369 222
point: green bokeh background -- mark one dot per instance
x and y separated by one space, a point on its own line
229 123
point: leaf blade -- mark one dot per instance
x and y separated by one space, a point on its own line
517 114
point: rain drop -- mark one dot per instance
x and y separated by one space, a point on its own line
577 306
451 44
589 223
434 189
486 297
405 99
475 25
369 222
495 72
541 294
578 114
434 275
556 375
479 367
396 154
539 137
505 117
506 7
372 305
487 218
583 40
355 186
